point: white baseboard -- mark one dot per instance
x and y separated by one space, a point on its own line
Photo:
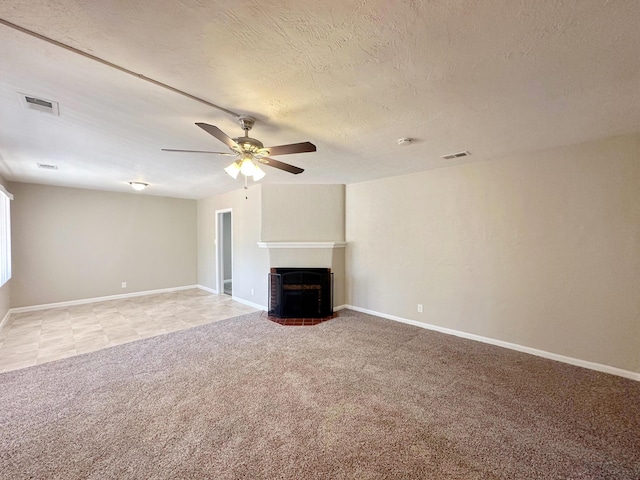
248 303
340 307
512 346
98 299
235 299
207 289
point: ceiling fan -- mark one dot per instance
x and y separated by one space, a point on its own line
251 152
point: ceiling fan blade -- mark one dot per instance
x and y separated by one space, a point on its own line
292 148
280 165
219 134
198 151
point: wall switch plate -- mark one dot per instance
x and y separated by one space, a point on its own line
124 284
252 291
419 308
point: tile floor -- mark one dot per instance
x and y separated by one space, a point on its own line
31 338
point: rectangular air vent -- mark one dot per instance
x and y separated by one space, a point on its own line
47 166
41 104
455 155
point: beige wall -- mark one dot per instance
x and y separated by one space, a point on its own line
250 263
71 244
303 213
542 250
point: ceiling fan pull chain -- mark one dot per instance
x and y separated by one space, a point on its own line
246 197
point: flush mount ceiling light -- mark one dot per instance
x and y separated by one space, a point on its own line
138 185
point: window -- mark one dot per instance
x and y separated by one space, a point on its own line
5 236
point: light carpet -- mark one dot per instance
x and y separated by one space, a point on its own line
357 397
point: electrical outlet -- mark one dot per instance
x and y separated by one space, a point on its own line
124 284
419 308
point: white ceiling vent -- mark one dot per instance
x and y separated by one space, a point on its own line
42 105
47 166
455 155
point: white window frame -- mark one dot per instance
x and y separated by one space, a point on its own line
5 235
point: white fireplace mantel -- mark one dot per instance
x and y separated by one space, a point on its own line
302 244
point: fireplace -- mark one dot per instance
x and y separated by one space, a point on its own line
301 292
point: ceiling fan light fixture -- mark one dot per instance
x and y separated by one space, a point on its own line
247 167
138 186
259 174
233 170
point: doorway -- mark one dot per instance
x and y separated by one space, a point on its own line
224 251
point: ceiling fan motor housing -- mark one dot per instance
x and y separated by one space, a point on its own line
246 122
246 143
249 145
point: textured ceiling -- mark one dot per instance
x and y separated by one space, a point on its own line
492 77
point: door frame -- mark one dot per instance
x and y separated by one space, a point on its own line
219 243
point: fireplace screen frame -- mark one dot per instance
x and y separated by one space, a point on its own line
296 292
